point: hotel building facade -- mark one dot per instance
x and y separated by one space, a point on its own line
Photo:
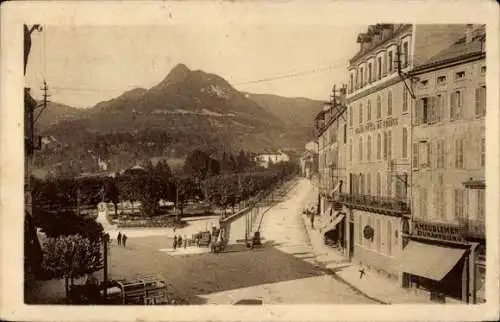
448 167
366 195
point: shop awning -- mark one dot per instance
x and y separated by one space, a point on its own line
333 222
429 261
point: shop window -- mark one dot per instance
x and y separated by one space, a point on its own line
459 205
481 101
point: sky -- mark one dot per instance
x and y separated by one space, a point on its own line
84 65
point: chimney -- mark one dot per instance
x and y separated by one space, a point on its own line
468 33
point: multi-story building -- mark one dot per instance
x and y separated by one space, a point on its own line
446 247
331 130
378 138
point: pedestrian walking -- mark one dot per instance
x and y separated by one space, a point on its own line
119 238
312 220
175 242
124 240
179 241
185 241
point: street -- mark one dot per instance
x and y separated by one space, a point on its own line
282 271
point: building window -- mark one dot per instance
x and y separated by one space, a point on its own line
389 238
456 105
389 185
481 101
459 153
400 187
345 133
385 146
370 74
350 116
379 146
480 204
415 156
389 144
424 83
440 205
441 80
458 198
379 108
459 75
423 202
369 184
360 113
379 184
389 61
425 160
361 77
440 99
369 111
405 100
361 184
406 55
384 64
405 143
350 150
360 151
351 83
379 68
440 154
483 69
483 152
378 235
422 111
389 103
369 149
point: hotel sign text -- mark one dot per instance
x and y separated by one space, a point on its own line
380 124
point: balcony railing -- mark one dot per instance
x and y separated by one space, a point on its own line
377 204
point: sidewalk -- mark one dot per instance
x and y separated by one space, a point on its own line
372 285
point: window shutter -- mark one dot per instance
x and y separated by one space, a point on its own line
418 112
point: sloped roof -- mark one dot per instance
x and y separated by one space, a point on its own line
459 49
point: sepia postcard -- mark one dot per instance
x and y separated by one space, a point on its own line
249 161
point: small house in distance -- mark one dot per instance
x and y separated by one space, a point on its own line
265 158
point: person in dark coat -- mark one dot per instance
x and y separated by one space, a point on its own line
175 242
179 241
119 238
185 241
124 240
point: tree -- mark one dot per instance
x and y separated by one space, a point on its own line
196 164
185 188
71 256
